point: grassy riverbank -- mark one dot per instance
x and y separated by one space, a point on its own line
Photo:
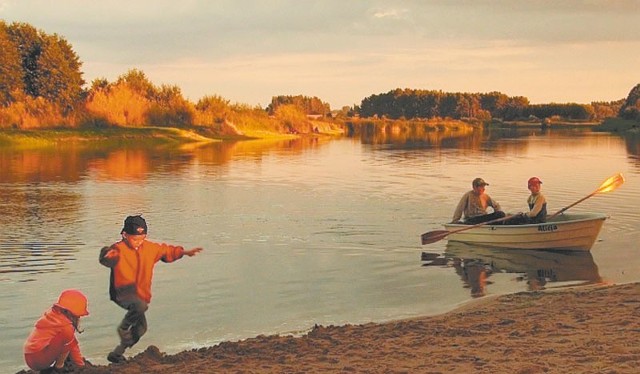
167 136
108 136
123 136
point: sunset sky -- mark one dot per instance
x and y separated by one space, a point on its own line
343 51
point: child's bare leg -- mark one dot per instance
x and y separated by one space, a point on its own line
61 359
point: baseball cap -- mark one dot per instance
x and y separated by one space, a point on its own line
479 182
533 180
135 225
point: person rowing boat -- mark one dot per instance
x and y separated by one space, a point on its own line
473 205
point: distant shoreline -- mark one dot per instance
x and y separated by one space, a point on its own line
34 138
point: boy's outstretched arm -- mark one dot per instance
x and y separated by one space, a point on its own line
192 252
109 256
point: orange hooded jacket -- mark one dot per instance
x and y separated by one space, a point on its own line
132 270
52 324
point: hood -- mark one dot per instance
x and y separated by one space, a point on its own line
52 319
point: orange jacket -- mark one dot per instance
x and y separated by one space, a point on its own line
51 324
132 270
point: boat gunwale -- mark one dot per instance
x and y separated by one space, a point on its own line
583 217
498 235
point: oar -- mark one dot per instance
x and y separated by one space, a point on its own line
437 235
609 185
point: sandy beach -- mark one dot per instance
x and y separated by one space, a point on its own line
573 330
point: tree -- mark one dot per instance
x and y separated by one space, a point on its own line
449 106
604 110
11 76
515 108
428 103
29 43
631 107
308 105
137 81
170 108
58 77
495 103
99 84
51 69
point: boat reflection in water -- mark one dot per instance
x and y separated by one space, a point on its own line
475 265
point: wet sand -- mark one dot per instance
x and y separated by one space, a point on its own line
573 330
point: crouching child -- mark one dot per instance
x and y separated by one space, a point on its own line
53 338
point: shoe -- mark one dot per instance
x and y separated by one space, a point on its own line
116 358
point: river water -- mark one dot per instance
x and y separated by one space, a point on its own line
297 232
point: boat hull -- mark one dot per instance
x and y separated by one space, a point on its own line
564 232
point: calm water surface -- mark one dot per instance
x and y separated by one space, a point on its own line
296 233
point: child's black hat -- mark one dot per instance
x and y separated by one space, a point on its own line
135 225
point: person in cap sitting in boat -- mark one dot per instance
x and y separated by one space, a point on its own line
131 261
53 338
473 205
537 206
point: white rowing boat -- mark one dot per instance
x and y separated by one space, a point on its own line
574 231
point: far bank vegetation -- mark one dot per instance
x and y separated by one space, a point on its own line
41 86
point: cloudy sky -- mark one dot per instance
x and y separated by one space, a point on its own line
345 50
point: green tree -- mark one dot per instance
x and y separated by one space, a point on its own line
428 102
631 107
58 77
11 76
495 102
29 43
137 81
515 108
449 106
607 109
99 84
306 104
51 69
170 108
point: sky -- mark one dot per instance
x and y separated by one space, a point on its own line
342 51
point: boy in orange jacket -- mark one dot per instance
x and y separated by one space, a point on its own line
53 338
132 261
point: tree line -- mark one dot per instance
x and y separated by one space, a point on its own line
412 104
41 85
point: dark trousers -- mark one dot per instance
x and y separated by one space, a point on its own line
522 220
484 218
134 323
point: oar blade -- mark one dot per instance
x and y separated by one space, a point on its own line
433 236
612 183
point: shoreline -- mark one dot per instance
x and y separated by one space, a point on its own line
584 329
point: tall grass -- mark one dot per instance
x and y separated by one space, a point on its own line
618 125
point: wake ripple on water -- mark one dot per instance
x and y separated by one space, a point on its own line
31 258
